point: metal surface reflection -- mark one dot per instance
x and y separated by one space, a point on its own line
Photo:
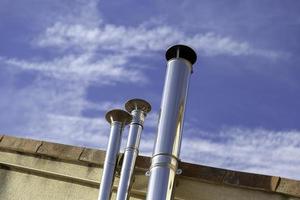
168 141
117 119
138 109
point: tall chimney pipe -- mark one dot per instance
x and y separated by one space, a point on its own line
117 119
165 157
138 109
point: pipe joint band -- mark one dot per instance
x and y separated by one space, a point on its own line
164 160
131 149
137 123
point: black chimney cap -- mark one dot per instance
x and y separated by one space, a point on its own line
183 51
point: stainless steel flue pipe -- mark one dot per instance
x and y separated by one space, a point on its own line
117 119
165 157
138 109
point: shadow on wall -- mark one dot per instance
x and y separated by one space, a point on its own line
3 179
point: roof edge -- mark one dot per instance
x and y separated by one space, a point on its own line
82 155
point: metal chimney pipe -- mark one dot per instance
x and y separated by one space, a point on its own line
138 109
165 157
117 119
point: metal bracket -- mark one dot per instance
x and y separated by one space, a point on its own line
179 171
147 173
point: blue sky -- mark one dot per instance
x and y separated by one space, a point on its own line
65 63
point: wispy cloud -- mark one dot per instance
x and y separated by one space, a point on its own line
52 110
141 38
253 150
66 129
83 68
101 51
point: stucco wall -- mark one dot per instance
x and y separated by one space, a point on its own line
25 177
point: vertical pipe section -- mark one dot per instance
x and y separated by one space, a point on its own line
165 157
117 119
138 109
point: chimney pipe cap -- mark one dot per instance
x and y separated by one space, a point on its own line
181 51
119 116
138 104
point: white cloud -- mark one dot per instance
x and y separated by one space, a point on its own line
213 44
140 39
52 110
79 11
252 150
90 49
72 130
84 68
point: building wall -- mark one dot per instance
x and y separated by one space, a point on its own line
32 177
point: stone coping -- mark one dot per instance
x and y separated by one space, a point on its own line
82 155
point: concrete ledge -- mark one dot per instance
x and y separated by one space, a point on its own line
253 181
61 151
143 162
204 173
19 144
93 156
289 187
